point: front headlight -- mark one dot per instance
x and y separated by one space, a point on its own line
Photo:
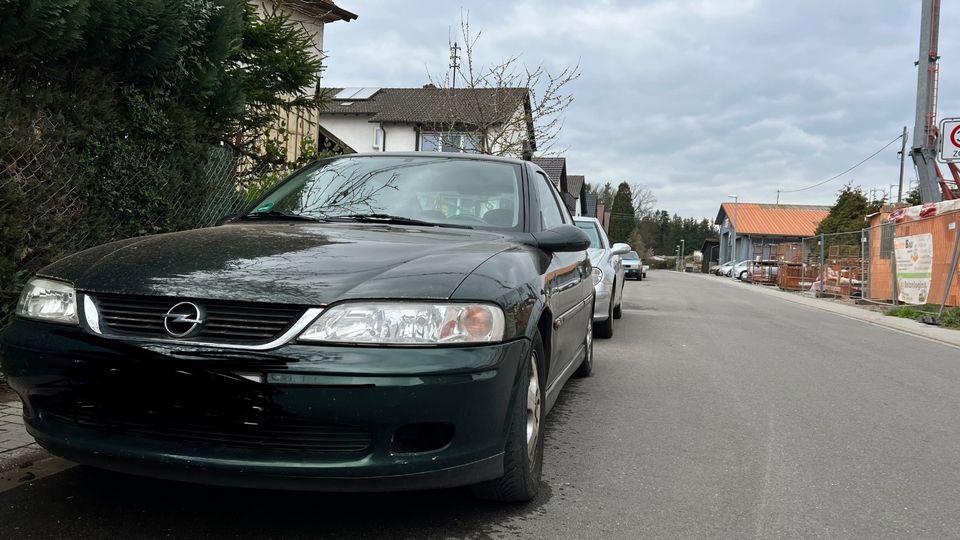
402 323
47 300
597 276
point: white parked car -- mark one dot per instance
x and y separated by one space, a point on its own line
607 275
741 270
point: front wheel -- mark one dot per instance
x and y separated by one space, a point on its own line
604 329
523 455
586 367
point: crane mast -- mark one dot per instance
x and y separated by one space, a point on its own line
924 149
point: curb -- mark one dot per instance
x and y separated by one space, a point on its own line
944 336
21 458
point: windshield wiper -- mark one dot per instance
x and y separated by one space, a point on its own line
280 216
393 220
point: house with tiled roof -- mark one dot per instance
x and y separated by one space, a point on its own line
758 228
577 188
313 16
429 119
572 187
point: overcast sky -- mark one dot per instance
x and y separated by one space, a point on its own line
696 99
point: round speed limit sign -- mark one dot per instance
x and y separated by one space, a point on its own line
950 140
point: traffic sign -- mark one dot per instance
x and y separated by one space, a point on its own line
950 140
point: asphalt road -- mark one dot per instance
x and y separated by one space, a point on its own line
713 412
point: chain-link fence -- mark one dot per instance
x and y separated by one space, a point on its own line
905 258
56 199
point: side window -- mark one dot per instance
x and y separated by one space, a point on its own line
551 214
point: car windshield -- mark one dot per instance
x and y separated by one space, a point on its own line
632 256
590 228
416 190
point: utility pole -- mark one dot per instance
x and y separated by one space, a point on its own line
903 156
924 149
733 228
454 63
683 250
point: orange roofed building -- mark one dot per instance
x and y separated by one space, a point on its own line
758 228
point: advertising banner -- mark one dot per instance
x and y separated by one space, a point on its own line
914 267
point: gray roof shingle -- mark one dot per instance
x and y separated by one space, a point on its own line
555 167
575 184
477 106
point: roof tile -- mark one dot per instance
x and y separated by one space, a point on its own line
483 106
773 219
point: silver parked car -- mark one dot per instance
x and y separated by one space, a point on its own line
607 275
633 267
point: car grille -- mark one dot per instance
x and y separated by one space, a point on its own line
267 434
227 322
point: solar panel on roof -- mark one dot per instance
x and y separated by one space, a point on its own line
366 93
347 93
356 92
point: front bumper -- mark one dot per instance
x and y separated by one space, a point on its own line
337 418
602 299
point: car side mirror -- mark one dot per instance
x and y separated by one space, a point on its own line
620 249
563 238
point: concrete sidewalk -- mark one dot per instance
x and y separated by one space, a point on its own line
17 447
907 326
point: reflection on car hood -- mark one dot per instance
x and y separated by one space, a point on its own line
292 263
597 256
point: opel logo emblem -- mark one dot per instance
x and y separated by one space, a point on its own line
183 320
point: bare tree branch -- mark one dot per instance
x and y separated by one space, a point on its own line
495 110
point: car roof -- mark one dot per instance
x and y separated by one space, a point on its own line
451 155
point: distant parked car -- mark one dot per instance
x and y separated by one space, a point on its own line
607 275
740 270
724 269
633 266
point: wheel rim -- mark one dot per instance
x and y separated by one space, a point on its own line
589 353
533 409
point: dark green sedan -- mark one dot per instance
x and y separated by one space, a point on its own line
375 322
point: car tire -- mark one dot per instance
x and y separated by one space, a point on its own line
522 464
617 311
586 366
604 329
742 274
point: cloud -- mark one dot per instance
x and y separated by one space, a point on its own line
695 98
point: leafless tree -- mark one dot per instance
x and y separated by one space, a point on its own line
644 201
503 105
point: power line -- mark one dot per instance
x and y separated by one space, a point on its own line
834 177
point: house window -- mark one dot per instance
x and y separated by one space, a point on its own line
377 138
433 141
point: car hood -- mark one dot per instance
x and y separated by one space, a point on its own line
598 256
289 263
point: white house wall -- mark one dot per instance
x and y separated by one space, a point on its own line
313 26
401 137
355 131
